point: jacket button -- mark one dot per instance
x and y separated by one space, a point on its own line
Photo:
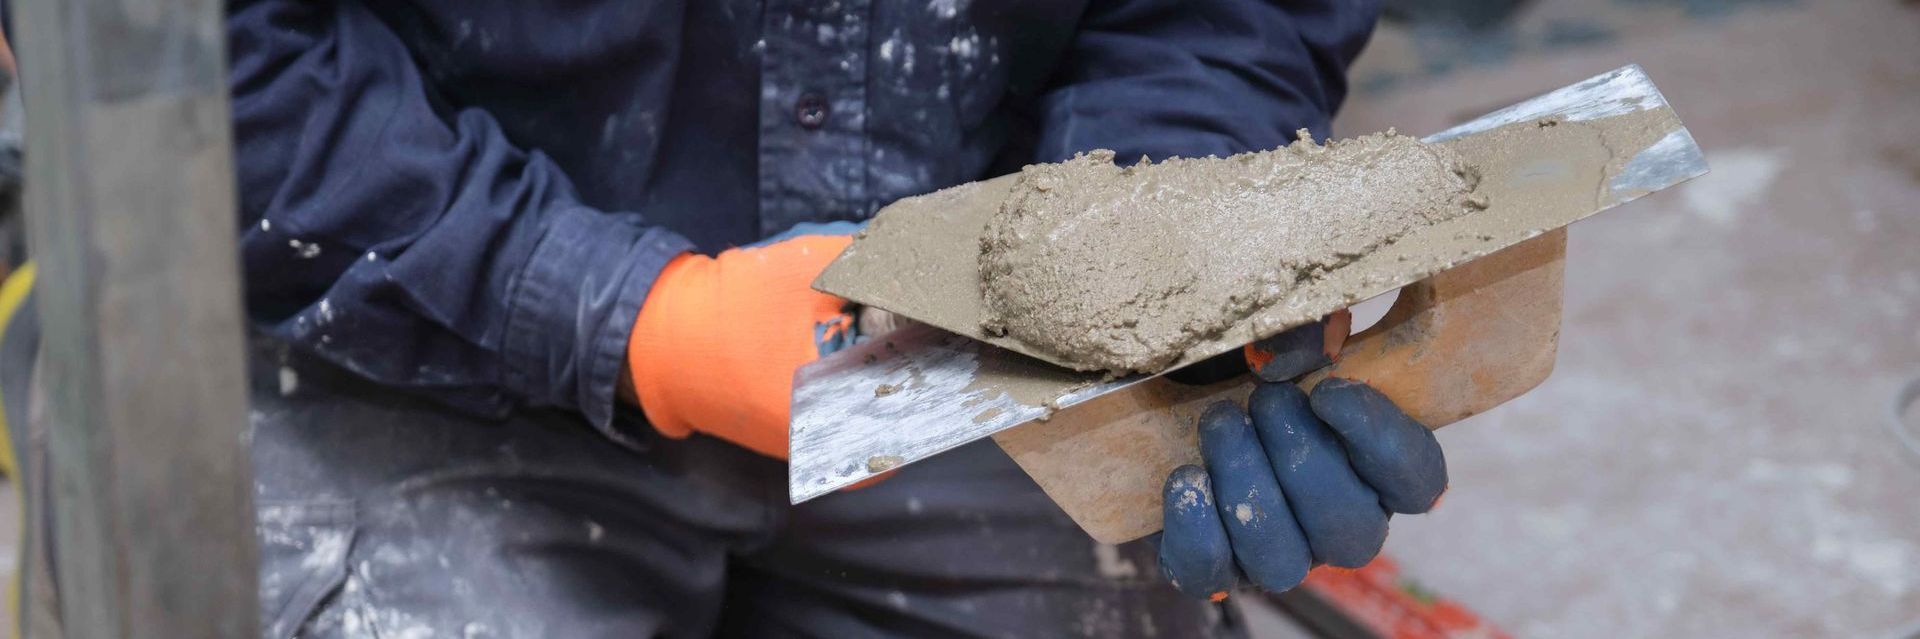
811 110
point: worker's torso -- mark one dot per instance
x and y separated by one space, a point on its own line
728 120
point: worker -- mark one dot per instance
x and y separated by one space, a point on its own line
531 280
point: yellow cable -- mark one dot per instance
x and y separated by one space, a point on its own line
12 293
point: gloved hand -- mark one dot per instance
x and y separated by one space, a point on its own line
1294 481
718 338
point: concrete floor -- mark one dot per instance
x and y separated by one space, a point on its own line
1710 458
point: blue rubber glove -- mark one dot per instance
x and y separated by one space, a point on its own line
1294 481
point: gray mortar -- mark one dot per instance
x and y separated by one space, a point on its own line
1123 269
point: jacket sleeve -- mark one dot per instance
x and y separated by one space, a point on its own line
408 240
1196 77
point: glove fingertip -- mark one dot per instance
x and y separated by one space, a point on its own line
1220 414
1190 483
1399 457
1359 542
1276 400
1289 354
1195 555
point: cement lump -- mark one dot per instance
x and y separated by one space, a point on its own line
1123 269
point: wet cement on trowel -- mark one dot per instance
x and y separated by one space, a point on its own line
1123 269
1588 155
1024 380
1107 472
920 257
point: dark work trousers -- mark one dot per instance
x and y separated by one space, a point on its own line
386 516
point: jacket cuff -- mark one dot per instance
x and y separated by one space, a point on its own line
573 306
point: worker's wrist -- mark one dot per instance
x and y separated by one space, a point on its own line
571 308
669 338
715 344
624 390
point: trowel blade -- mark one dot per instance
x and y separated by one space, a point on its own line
920 391
910 394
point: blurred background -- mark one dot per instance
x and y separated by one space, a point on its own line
1716 453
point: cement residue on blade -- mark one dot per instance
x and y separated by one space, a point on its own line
1123 269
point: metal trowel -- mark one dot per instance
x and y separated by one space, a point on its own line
1476 322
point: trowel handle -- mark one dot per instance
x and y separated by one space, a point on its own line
1455 344
1466 339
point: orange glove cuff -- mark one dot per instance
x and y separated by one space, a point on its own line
718 339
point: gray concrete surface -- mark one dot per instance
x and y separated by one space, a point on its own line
1710 457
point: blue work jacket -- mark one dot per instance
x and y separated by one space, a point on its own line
470 199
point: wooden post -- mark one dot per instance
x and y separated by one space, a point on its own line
130 204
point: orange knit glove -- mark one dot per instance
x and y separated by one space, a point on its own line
718 339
